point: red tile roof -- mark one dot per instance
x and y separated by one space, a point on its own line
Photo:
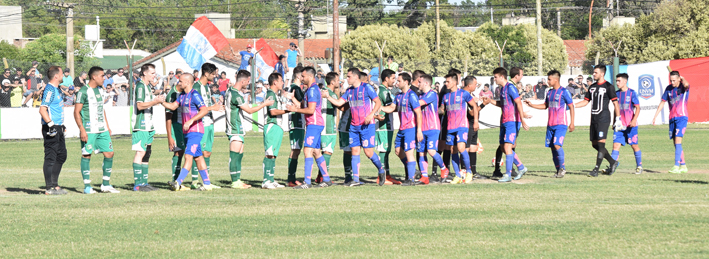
576 49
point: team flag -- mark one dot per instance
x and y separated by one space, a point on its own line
202 42
266 59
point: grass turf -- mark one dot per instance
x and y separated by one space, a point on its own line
650 215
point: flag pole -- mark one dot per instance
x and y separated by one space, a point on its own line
253 76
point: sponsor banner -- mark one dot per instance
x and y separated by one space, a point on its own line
649 81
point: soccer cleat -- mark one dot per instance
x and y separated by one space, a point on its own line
267 185
294 184
89 190
323 184
457 180
674 170
214 186
204 188
173 186
408 182
448 179
319 178
353 184
381 180
521 173
108 189
195 185
560 173
239 185
141 188
514 173
497 174
593 173
392 180
61 191
505 179
303 186
51 191
417 174
613 168
277 185
639 170
444 173
469 178
479 177
423 180
683 169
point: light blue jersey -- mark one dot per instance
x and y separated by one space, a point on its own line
52 99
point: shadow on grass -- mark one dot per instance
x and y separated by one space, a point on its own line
41 190
682 181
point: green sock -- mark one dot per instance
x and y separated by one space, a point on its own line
195 171
107 168
347 162
137 173
232 165
86 171
292 167
206 161
145 173
239 157
327 161
175 167
272 163
384 157
266 169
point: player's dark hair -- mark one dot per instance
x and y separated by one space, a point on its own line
417 73
309 70
500 71
329 77
674 73
208 68
406 77
353 70
52 71
363 76
273 77
243 74
386 73
554 72
145 68
622 75
454 71
452 75
94 70
297 70
428 79
514 71
601 67
468 80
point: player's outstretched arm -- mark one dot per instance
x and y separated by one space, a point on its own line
158 100
170 106
537 106
202 112
251 110
389 108
659 109
336 102
308 110
375 109
581 104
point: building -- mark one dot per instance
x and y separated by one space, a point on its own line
576 51
11 24
322 27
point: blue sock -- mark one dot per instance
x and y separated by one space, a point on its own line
615 154
308 169
639 158
377 163
205 177
508 166
411 168
355 168
320 161
423 166
560 154
678 154
555 158
519 164
466 161
183 173
439 161
455 158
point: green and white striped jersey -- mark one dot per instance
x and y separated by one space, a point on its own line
329 113
142 119
92 112
297 120
233 102
386 98
171 98
278 104
203 90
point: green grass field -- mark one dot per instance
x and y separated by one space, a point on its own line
653 215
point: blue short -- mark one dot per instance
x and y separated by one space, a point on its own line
629 135
678 125
406 138
312 136
556 135
509 131
456 136
193 146
430 141
362 136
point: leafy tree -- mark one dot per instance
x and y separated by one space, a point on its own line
50 50
9 51
457 48
359 49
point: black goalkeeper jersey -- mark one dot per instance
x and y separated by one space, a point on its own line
600 96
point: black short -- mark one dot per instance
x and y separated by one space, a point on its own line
472 137
599 130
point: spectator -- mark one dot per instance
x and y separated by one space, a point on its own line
374 77
391 64
34 84
245 56
6 87
121 95
108 96
540 89
400 70
292 61
437 87
68 96
260 94
107 78
80 81
589 81
172 80
581 87
16 93
528 92
573 89
319 79
21 77
216 95
223 83
119 78
486 92
195 73
281 66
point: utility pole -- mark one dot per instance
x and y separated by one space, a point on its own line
300 6
335 36
539 38
491 21
558 22
69 33
438 28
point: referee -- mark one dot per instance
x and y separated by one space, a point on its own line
52 112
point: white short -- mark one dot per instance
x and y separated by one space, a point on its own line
289 75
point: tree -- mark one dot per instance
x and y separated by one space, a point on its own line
359 49
9 51
361 12
50 50
457 49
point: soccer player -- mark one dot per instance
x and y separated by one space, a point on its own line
472 144
193 110
235 103
629 112
143 129
52 113
677 95
95 134
558 99
516 75
385 123
328 136
296 124
600 94
209 73
512 119
175 140
272 131
314 127
343 129
430 128
409 109
456 103
360 97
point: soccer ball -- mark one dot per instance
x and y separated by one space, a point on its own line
502 161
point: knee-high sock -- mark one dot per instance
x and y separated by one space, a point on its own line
455 157
466 161
385 161
411 168
638 158
560 154
498 157
439 161
195 171
377 163
176 166
234 170
355 168
508 165
555 157
595 146
266 169
182 175
423 165
327 161
603 153
434 166
517 162
473 161
679 155
292 168
308 169
138 173
145 173
615 154
107 168
447 158
322 166
86 171
347 162
205 177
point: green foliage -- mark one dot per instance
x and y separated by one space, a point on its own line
9 51
359 49
50 50
361 12
457 48
276 30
